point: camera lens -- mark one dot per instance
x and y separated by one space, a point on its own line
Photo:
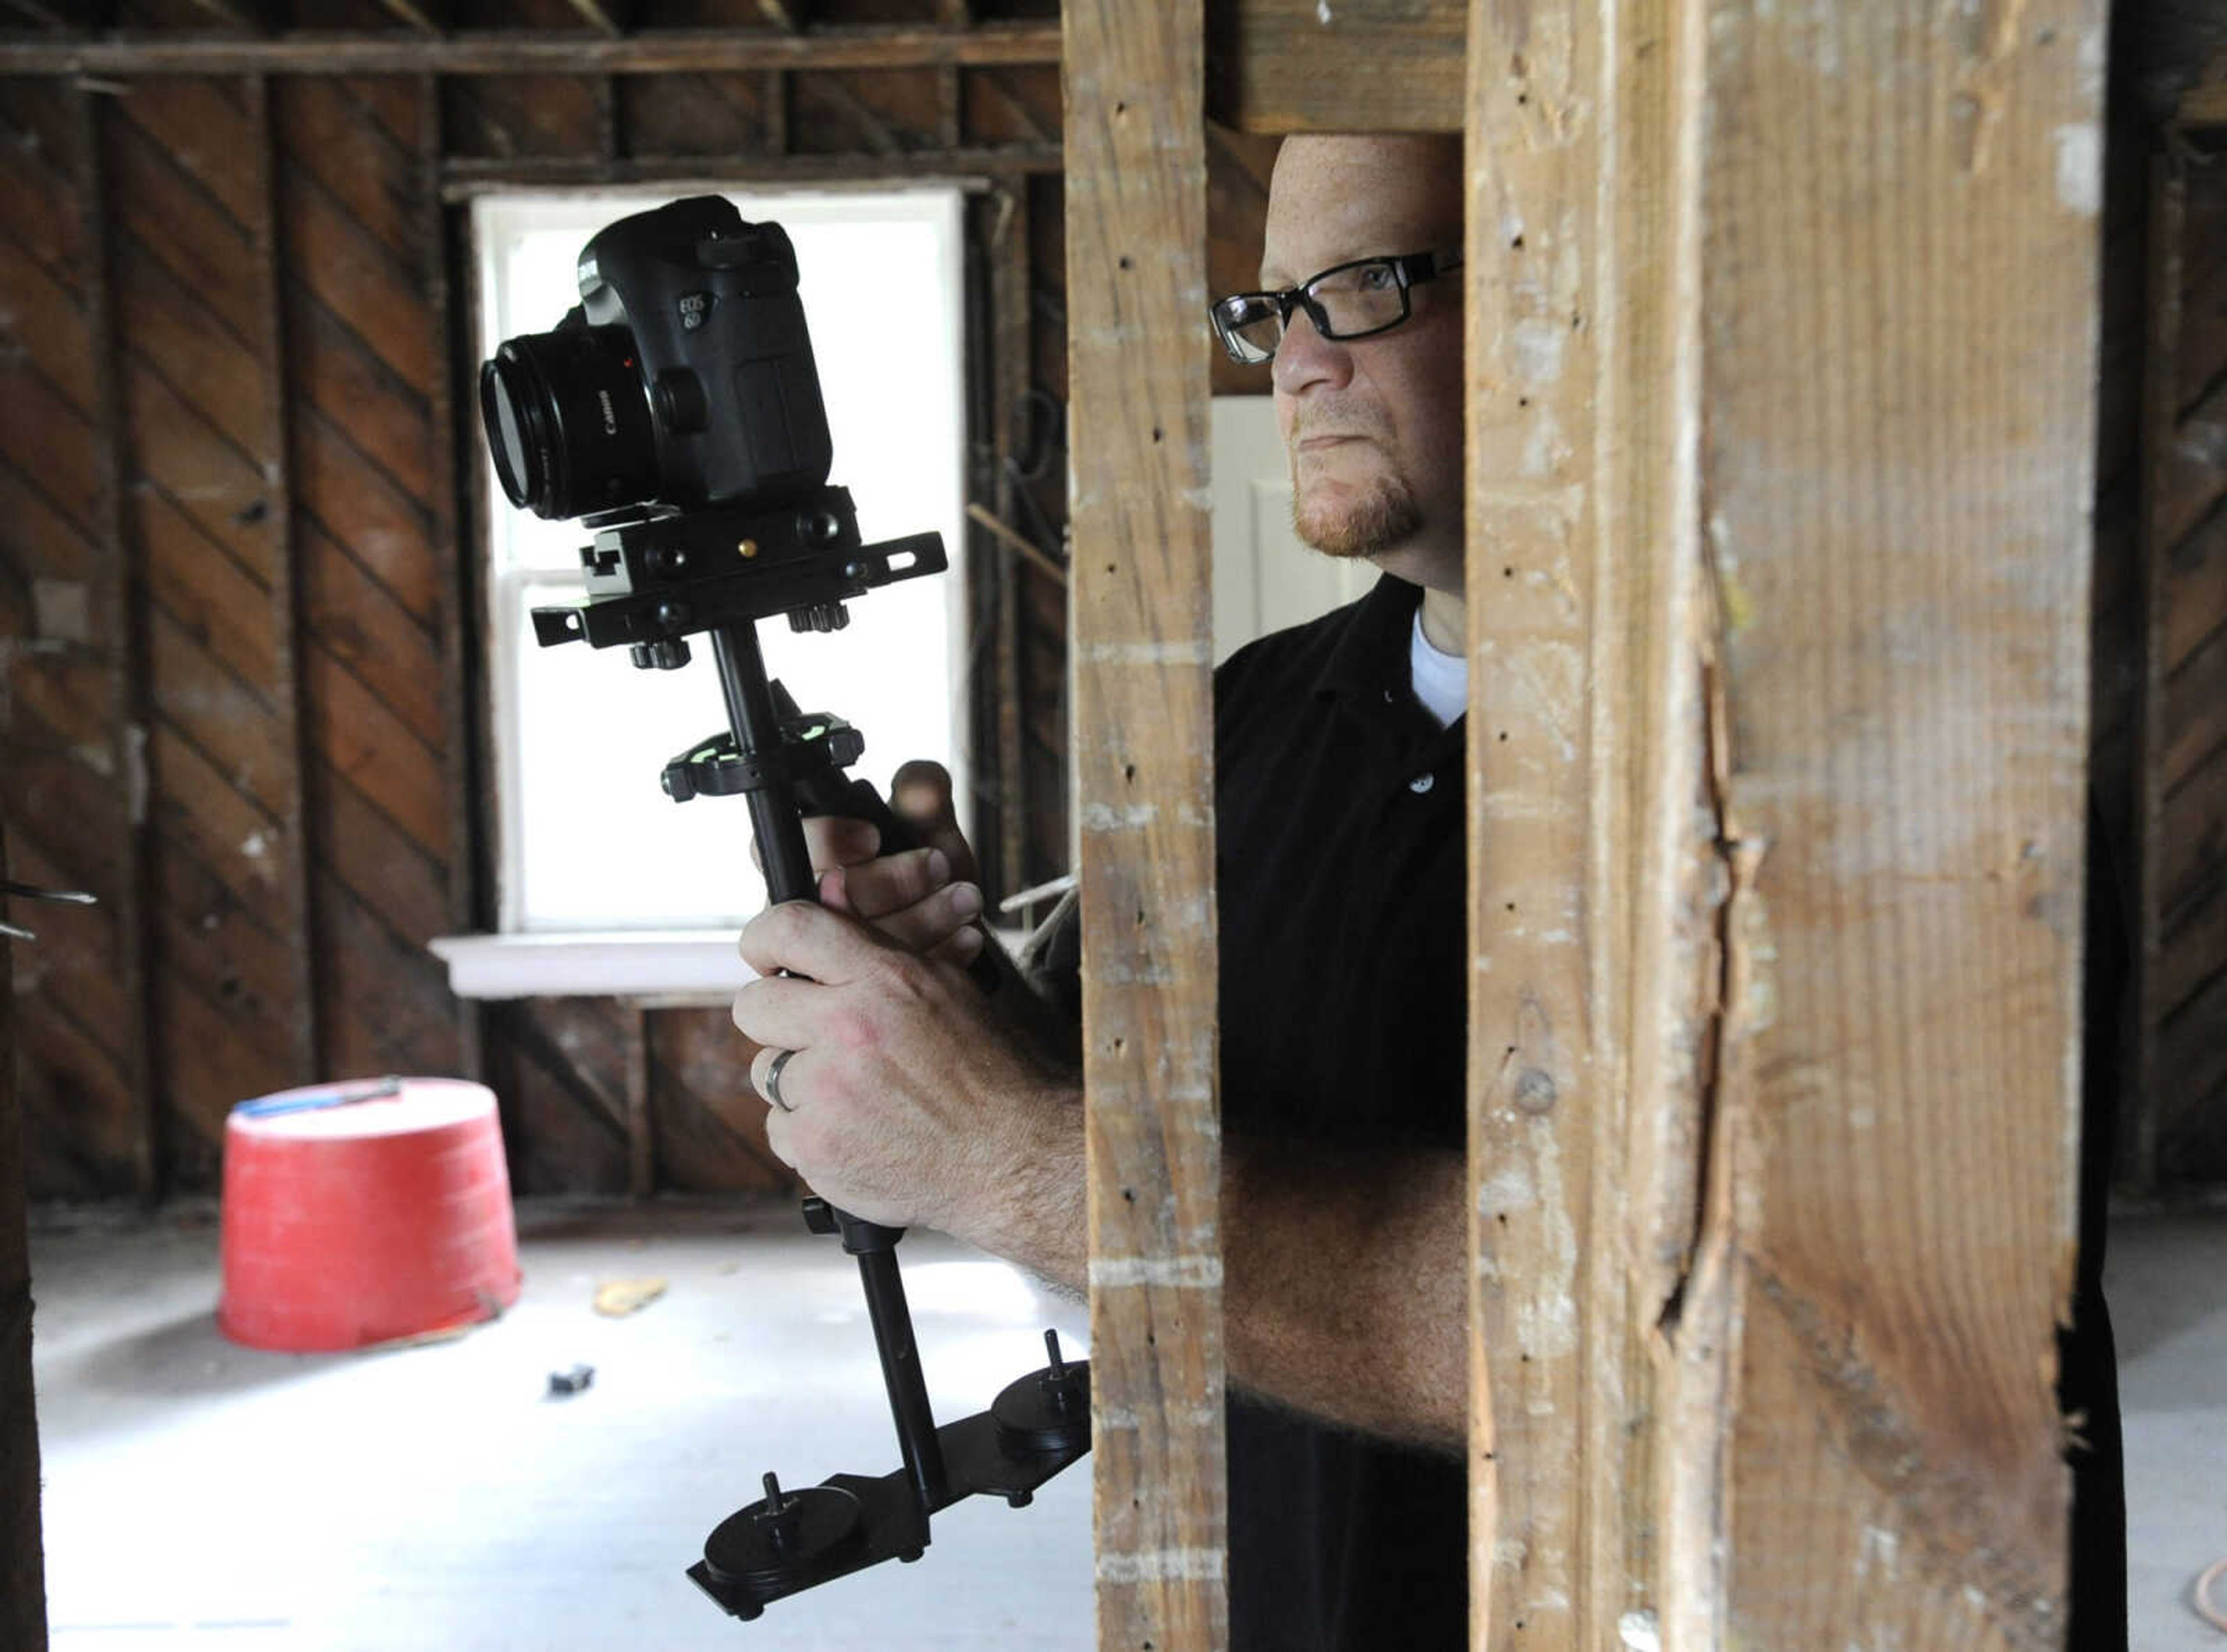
568 422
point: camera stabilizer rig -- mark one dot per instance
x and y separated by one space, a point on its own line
679 404
652 582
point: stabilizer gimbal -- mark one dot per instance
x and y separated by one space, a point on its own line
655 578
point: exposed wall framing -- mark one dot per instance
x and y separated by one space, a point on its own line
259 535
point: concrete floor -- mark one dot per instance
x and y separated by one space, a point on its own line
217 1499
212 1498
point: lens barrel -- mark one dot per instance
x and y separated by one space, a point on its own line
569 423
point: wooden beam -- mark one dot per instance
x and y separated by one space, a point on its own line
661 51
1898 539
1142 655
1344 66
1572 145
464 178
123 621
286 686
2165 270
950 108
1012 336
23 1553
454 445
1778 751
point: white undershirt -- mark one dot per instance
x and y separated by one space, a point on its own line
1441 679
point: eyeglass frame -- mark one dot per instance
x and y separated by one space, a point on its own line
1408 269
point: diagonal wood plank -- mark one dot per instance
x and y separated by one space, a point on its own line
359 507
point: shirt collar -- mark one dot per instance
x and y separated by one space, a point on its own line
1372 655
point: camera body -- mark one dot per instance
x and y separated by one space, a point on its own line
684 378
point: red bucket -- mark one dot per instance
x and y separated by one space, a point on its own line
363 1213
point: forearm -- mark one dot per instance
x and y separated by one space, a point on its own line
1342 1294
1343 1285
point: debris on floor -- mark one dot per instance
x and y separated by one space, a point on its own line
562 1383
616 1298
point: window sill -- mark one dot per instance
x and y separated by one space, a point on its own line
685 965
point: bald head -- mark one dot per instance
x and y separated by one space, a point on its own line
1368 192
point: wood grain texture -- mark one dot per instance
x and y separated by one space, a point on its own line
1896 539
1333 66
1778 609
1142 762
1586 888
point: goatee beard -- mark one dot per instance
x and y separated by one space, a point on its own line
1384 514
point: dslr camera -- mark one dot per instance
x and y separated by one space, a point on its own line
677 411
684 377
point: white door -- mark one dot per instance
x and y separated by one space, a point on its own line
1264 578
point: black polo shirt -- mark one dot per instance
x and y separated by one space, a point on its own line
1341 863
1341 866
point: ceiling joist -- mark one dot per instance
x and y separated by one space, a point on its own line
489 51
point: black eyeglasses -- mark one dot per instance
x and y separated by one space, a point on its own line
1347 301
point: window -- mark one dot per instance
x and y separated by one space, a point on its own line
587 839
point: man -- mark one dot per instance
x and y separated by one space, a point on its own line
1338 783
905 1097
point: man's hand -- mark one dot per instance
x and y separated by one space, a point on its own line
926 900
906 1099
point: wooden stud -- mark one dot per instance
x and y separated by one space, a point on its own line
23 1555
774 85
287 677
123 619
1896 537
1773 1138
2166 273
1569 448
656 51
950 108
462 622
1010 280
1142 654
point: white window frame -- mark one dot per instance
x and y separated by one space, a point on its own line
693 962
